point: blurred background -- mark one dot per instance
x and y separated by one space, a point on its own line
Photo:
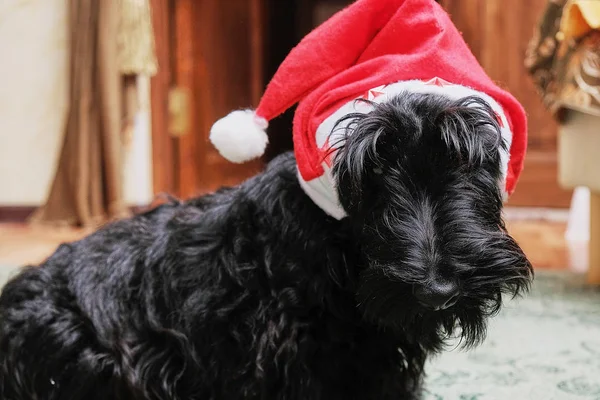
105 105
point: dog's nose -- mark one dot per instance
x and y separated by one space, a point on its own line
438 295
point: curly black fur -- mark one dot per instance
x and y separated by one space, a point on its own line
420 177
254 293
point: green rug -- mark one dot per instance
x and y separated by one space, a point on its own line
7 272
545 346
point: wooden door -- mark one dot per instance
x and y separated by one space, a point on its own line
498 32
210 55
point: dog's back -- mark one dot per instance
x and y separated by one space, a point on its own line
226 296
68 318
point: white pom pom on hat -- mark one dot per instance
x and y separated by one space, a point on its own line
240 136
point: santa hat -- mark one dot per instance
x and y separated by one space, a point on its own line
371 49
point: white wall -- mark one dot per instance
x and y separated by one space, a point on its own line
138 160
33 85
33 104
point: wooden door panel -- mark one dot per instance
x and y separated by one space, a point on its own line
227 39
470 21
163 152
185 73
210 53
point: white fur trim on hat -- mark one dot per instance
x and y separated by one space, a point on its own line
323 194
384 93
322 190
240 136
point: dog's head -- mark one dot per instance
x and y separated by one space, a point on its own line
420 179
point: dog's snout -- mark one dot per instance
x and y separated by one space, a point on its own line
437 294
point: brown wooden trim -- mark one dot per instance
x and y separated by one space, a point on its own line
183 74
16 213
257 32
163 152
537 186
593 276
21 214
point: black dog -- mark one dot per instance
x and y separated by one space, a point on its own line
253 292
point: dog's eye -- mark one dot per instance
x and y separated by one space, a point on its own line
378 171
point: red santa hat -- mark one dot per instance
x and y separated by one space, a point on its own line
371 49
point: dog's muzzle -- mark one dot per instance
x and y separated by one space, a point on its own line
437 295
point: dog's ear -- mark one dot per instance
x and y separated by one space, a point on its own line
471 132
357 165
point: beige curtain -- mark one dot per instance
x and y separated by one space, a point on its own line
111 42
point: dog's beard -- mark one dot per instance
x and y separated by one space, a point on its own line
411 244
489 270
391 304
420 240
420 176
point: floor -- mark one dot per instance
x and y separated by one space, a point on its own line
543 346
542 240
22 244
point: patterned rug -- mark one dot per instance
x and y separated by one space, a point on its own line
545 346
